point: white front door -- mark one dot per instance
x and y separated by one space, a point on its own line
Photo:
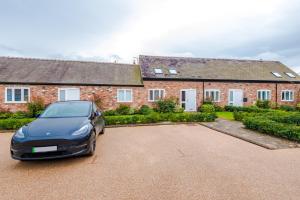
188 99
235 97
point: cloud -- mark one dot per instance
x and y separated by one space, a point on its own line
102 30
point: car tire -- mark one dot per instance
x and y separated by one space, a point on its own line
92 147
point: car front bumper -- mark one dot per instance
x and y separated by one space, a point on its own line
65 148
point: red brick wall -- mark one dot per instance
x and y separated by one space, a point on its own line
108 94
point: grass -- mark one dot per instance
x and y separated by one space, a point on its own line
225 115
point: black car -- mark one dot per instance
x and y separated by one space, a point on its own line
64 129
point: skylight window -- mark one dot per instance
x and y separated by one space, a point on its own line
173 71
290 74
158 71
277 74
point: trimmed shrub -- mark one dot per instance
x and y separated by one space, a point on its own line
110 113
219 108
145 110
165 106
35 106
178 109
207 108
159 117
12 124
263 104
124 110
287 108
268 126
246 109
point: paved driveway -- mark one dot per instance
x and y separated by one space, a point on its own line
160 162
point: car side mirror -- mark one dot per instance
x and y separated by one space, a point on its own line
97 114
37 115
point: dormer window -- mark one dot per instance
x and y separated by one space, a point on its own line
172 71
158 71
277 74
290 74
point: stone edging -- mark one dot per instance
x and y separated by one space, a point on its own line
242 138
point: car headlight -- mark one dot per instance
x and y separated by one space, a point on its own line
19 133
82 130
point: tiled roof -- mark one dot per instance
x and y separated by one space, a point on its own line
42 71
214 69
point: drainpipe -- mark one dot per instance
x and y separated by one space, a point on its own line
276 98
202 92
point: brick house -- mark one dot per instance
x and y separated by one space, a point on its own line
189 80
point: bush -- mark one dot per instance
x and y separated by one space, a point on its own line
246 109
207 108
218 108
268 126
263 104
109 113
35 106
165 106
5 115
298 106
287 108
145 110
159 117
124 110
12 124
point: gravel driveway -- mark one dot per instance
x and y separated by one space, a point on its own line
157 162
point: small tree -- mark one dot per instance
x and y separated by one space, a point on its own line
35 106
166 105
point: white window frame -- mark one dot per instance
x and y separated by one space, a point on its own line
158 71
13 94
70 88
291 93
172 71
213 90
291 75
125 101
277 74
264 90
150 100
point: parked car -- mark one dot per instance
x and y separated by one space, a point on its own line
64 129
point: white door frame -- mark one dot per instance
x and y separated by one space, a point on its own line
186 96
229 102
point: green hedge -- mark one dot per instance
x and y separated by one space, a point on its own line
264 125
246 109
159 117
12 124
277 116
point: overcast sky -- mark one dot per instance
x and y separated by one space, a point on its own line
104 30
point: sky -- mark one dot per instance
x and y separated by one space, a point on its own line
123 29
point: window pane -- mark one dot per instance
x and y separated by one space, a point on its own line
217 96
287 95
212 96
62 95
25 94
151 95
259 95
17 94
156 94
182 95
231 96
128 95
9 95
282 96
121 95
162 94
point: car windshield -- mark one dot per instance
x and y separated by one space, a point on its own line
67 109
